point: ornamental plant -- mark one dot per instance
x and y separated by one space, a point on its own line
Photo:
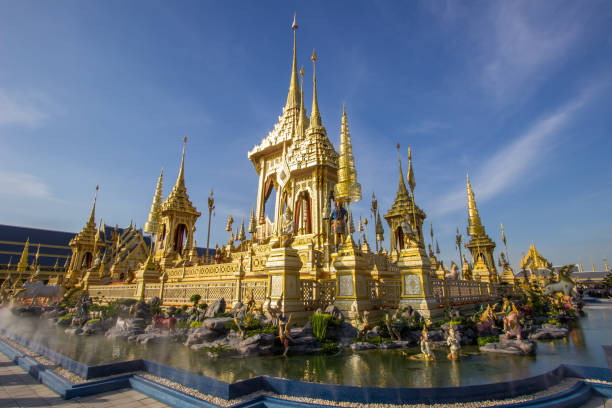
319 322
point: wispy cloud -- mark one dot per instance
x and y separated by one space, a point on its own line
426 127
19 108
514 160
527 42
24 185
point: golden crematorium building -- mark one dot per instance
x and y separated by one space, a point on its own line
535 268
301 253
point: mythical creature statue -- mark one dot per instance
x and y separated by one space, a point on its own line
393 332
565 285
453 344
284 328
454 272
34 290
512 328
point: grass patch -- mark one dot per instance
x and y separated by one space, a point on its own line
487 339
330 347
195 325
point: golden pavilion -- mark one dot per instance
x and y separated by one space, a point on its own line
302 253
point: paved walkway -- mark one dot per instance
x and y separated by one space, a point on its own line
19 389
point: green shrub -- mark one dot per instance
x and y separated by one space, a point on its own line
181 324
65 317
202 306
487 339
195 325
224 314
195 299
93 320
265 329
319 322
330 347
553 321
184 307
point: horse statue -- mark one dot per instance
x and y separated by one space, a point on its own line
34 290
454 272
160 322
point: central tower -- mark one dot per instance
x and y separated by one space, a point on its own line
297 162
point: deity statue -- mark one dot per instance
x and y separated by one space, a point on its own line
287 222
426 349
453 344
217 255
339 219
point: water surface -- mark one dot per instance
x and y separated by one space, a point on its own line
368 368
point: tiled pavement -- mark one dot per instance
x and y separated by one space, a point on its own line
19 389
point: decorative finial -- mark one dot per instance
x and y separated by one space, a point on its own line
315 116
294 26
302 71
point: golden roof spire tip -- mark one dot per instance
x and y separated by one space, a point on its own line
294 86
315 115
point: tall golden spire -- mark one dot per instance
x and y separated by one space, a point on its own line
474 224
401 190
347 189
294 86
23 261
315 116
179 187
302 117
92 216
152 223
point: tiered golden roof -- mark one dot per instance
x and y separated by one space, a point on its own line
178 199
87 236
347 189
480 244
534 260
152 223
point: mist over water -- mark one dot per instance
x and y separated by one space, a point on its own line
373 368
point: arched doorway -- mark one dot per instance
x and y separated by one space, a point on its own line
179 238
268 205
87 259
303 214
399 238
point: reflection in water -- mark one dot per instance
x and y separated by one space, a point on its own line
374 367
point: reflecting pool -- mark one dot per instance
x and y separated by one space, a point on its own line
373 368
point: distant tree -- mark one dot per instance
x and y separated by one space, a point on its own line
195 299
608 280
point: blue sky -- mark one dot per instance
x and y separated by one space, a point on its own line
518 94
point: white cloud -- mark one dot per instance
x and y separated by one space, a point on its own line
525 43
24 185
512 162
21 109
